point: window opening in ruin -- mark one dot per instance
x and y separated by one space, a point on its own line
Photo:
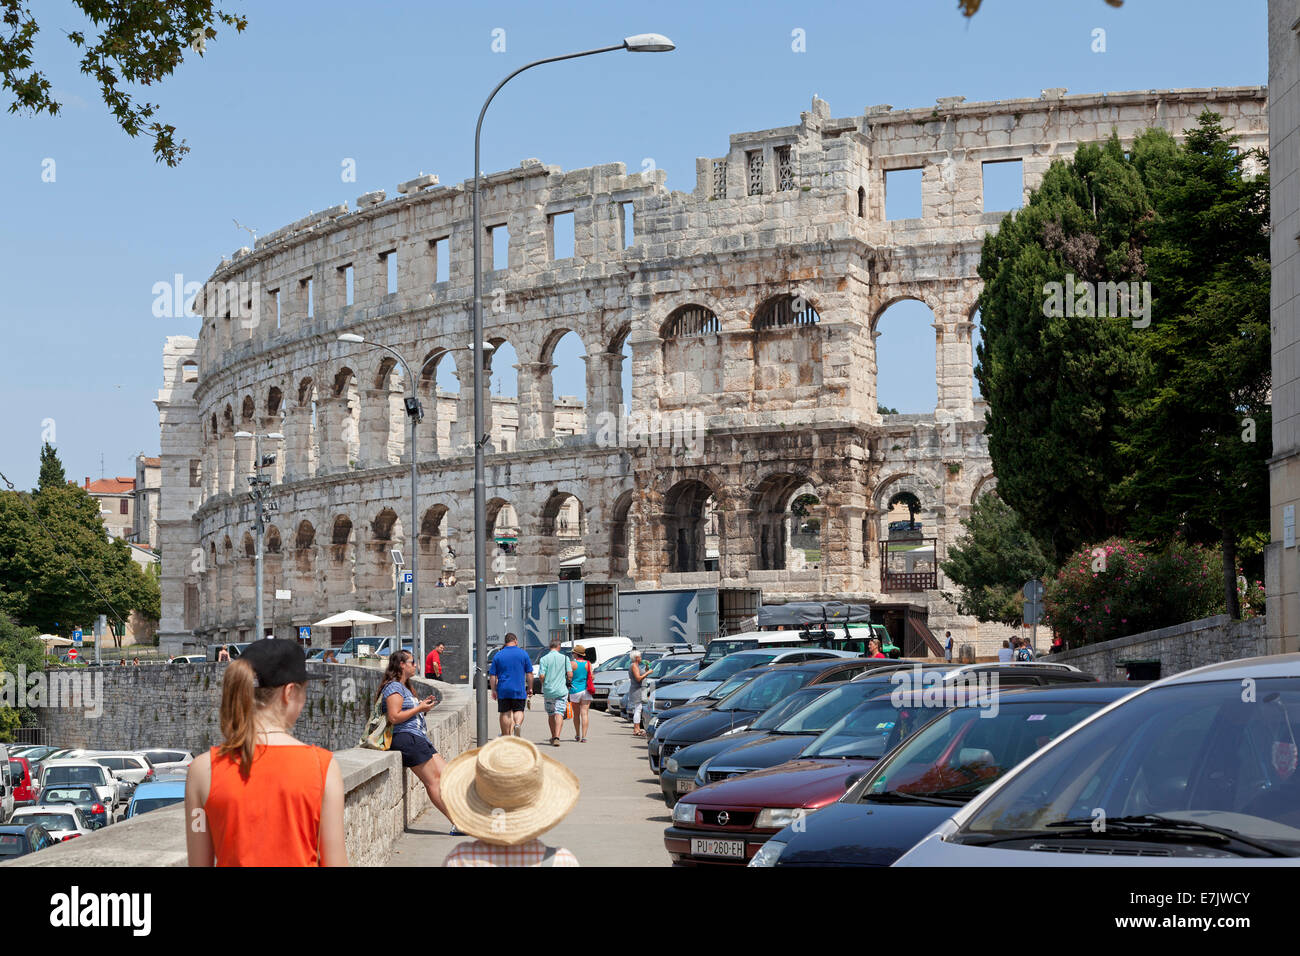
626 218
906 379
560 226
692 528
862 203
308 298
190 372
196 472
275 303
347 284
754 160
975 341
1004 185
441 259
784 169
501 366
903 193
719 179
690 320
784 311
499 240
389 259
568 386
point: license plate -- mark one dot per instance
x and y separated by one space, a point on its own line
685 786
732 849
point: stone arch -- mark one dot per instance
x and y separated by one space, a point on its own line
690 320
383 415
692 519
303 431
985 485
562 527
385 534
250 545
439 389
917 294
773 527
556 355
504 413
437 547
248 410
341 441
691 360
622 533
274 401
304 548
907 354
273 542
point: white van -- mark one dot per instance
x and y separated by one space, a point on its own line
605 647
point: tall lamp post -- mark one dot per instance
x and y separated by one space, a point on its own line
259 483
414 413
641 43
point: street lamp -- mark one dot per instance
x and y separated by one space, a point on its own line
641 43
259 484
414 413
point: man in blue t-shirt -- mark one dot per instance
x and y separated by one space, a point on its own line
511 679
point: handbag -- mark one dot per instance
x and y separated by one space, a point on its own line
568 711
591 680
378 734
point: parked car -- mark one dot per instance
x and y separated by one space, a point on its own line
188 659
83 796
694 766
723 690
154 796
729 821
164 759
235 650
20 772
6 785
666 698
19 839
921 783
129 765
616 683
615 670
1199 768
604 647
377 646
73 771
61 822
721 647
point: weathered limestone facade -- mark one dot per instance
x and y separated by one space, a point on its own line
749 307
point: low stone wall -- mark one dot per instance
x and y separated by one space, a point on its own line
381 799
1178 648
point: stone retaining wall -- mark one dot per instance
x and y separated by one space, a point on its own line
1178 648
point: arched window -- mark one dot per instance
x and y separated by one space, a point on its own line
785 311
689 320
862 203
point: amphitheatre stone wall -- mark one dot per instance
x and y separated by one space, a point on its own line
749 451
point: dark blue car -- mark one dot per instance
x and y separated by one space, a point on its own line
923 781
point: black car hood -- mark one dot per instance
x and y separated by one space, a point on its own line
696 754
705 723
764 752
860 834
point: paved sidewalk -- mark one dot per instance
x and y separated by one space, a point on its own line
619 819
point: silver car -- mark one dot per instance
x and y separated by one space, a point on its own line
1199 769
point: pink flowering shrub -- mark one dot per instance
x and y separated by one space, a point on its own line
1121 586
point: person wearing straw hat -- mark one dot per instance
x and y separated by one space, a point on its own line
506 794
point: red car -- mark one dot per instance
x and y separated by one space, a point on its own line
21 772
728 821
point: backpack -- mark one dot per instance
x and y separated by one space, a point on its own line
1023 654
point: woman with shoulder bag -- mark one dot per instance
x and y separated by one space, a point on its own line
581 678
410 738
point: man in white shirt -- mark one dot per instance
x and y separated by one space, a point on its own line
1004 653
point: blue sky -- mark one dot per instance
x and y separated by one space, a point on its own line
271 114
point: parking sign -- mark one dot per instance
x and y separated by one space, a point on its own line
76 637
408 577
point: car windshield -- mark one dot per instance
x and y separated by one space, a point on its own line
1215 756
766 689
681 670
59 775
817 716
722 647
968 748
662 666
721 670
729 687
619 663
782 710
67 795
51 821
870 730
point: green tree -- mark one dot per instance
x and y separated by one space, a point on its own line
992 560
59 569
1198 438
18 648
131 42
1052 377
52 474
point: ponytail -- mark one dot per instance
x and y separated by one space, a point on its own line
237 705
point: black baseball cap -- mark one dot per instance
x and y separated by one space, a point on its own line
278 662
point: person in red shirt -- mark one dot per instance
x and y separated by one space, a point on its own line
873 648
433 662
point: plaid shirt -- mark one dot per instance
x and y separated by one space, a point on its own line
479 853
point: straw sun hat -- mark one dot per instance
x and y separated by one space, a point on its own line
507 792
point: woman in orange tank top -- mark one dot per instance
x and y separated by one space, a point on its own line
264 798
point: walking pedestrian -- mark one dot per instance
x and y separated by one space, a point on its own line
410 736
433 662
1004 653
511 673
636 674
263 797
1024 653
506 794
223 654
579 674
947 647
554 668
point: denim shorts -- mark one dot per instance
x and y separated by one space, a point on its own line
414 748
558 705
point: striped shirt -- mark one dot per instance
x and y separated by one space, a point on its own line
532 853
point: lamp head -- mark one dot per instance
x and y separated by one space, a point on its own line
649 43
351 337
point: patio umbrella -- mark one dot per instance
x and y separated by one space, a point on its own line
346 618
53 640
